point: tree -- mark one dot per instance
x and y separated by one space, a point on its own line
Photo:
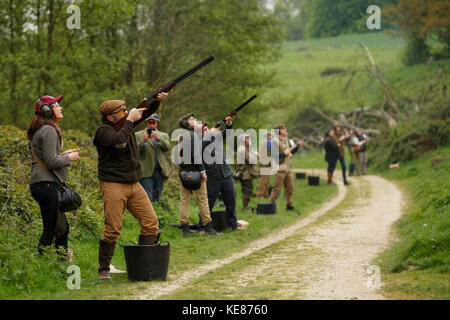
127 48
421 20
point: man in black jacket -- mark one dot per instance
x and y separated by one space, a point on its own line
220 179
119 172
191 142
332 153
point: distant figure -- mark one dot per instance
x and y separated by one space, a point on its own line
284 174
332 153
361 143
352 151
340 138
247 170
264 181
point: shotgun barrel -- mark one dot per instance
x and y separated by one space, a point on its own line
150 102
235 111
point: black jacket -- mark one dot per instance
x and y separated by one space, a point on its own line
332 151
217 171
195 162
118 153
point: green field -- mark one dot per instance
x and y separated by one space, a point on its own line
300 82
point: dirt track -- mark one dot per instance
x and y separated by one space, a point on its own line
323 260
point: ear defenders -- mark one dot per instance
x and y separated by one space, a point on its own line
45 110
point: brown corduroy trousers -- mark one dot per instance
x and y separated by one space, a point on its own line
120 196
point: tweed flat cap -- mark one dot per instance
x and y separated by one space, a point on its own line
107 107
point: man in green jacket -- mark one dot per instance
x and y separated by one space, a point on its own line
153 146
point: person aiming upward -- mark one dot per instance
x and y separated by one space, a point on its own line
284 173
119 172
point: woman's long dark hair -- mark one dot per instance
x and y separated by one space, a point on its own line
40 121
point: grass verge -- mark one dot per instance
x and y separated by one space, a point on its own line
417 265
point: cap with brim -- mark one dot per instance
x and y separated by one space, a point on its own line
107 107
154 116
46 100
183 120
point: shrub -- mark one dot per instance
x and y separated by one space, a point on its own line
21 268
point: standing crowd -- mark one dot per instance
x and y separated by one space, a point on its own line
132 168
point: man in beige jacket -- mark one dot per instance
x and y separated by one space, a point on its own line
154 147
284 174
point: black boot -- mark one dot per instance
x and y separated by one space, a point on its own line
147 240
185 229
245 201
105 254
209 229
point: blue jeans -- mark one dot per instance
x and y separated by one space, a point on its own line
342 161
153 185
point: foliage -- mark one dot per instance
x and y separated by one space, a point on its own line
422 20
424 131
21 268
126 49
328 18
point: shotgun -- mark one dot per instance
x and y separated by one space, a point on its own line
235 111
295 147
150 101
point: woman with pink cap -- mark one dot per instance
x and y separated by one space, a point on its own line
45 142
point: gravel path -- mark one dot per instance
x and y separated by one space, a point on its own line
324 260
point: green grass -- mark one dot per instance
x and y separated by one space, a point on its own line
186 253
310 159
418 264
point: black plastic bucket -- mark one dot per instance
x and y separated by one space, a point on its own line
313 180
219 219
145 263
266 208
300 175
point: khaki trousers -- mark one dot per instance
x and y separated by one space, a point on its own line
263 188
202 199
283 177
118 196
361 165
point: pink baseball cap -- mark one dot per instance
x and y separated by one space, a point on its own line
46 100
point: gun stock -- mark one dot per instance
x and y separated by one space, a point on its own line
235 111
151 103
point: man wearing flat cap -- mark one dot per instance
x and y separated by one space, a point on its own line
119 172
153 147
